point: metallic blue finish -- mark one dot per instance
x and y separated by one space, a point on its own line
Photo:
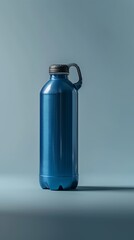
59 134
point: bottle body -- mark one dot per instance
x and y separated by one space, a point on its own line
59 134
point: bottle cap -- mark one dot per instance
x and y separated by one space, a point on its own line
59 68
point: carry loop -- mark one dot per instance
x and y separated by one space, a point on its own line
79 83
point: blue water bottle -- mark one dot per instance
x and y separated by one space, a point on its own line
59 129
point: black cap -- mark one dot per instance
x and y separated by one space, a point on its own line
59 68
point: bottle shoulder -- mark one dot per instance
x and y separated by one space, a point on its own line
57 86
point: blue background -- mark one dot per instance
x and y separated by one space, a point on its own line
99 36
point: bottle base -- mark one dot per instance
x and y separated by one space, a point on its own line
58 183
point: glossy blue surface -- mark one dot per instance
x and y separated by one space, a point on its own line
59 134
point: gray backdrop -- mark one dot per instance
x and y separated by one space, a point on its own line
97 35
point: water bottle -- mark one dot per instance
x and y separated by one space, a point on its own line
59 129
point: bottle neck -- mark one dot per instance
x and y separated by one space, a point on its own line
58 76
